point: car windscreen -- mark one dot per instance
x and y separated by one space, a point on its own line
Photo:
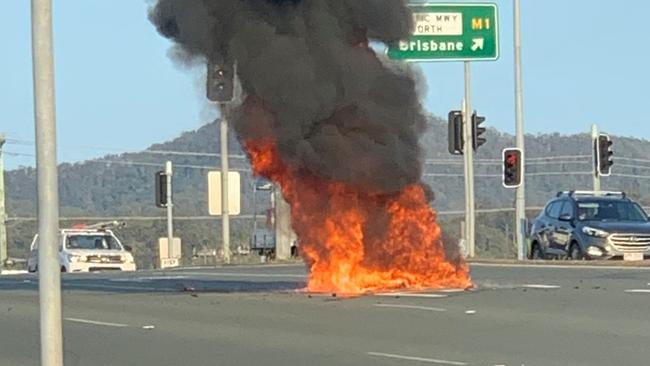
94 242
610 211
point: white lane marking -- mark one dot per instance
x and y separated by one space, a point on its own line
541 287
414 307
638 291
452 290
556 266
232 274
121 288
410 294
94 322
417 359
147 279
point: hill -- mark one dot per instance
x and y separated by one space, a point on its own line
122 186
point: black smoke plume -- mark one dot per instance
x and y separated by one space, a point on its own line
336 110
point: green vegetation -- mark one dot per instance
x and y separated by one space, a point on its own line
122 185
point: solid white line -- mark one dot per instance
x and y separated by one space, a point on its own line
414 307
410 294
93 322
555 266
638 291
418 359
541 287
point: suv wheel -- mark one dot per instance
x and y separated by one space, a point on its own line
536 252
575 253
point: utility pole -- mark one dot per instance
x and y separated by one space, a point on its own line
169 172
49 275
594 142
470 215
3 213
225 217
520 210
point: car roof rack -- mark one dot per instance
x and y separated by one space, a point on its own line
592 193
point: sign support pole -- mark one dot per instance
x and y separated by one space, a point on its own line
225 215
469 164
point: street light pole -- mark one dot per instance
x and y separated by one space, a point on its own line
520 210
49 276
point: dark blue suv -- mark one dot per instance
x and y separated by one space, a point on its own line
590 225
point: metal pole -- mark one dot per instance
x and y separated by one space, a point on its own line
520 210
49 275
594 141
225 217
469 163
169 173
254 236
3 214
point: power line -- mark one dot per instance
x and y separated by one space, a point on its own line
632 159
9 153
631 176
131 151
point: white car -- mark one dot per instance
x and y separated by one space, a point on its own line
87 250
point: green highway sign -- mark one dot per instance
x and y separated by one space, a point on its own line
450 32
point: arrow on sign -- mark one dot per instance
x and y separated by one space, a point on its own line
477 44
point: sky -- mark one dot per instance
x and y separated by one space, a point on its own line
117 90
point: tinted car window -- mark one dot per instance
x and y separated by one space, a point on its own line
610 210
553 210
567 209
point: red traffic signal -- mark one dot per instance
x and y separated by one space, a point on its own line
512 167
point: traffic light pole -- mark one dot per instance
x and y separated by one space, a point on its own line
225 217
468 148
49 274
520 206
169 172
3 214
594 141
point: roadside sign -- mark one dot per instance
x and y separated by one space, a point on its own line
169 260
450 32
214 193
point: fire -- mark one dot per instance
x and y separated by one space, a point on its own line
357 242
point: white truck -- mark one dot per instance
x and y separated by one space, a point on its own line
88 249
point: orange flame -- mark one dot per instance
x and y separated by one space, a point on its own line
356 242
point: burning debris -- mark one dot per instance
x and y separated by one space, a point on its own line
334 126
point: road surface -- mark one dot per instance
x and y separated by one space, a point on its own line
259 316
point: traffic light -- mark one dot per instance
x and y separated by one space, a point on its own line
456 140
161 189
604 155
512 167
477 131
221 80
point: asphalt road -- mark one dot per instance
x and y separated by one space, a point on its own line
259 316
